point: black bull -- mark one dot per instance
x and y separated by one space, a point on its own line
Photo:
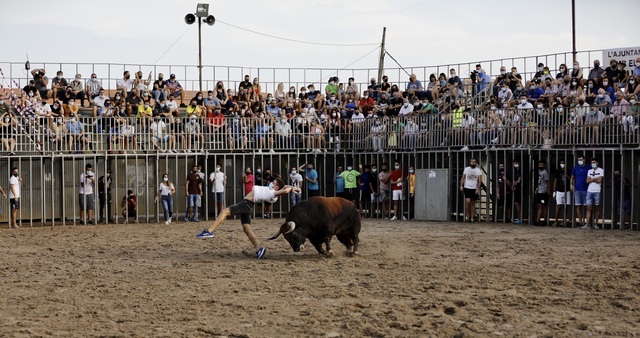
318 219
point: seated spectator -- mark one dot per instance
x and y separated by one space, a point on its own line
316 137
332 88
211 102
613 72
539 72
505 94
77 89
216 127
41 82
415 85
352 89
550 91
30 90
535 91
562 72
257 90
161 109
377 134
603 100
7 127
173 106
194 109
618 109
193 130
283 134
58 132
92 87
175 89
395 103
349 107
410 134
125 134
632 86
272 109
576 73
333 101
335 128
70 108
263 134
373 89
237 135
125 85
176 130
58 85
608 88
596 72
199 98
631 119
366 103
159 136
129 206
592 123
454 80
141 85
406 109
78 141
592 91
315 97
145 115
385 86
133 102
289 111
159 90
546 74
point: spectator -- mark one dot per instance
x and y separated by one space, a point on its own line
166 192
141 85
104 196
619 109
247 180
246 84
561 193
41 82
145 114
173 106
504 194
86 194
194 108
406 109
237 135
542 194
454 80
596 72
364 189
539 73
411 182
505 94
592 123
562 72
92 87
611 72
7 126
316 136
311 178
595 176
576 73
161 109
378 132
352 89
608 88
383 178
193 131
263 135
175 89
125 84
470 184
535 91
332 88
159 91
15 187
339 182
158 135
397 180
58 85
129 206
75 130
579 188
295 180
77 89
373 89
127 134
194 194
350 177
257 90
410 134
284 134
218 181
133 102
516 189
622 187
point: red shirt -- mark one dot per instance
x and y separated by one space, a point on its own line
367 105
248 184
395 175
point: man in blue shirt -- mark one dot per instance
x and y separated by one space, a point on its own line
339 181
311 176
535 91
579 188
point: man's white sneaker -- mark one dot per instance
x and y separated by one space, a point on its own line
585 227
393 218
404 218
166 222
259 151
465 148
271 151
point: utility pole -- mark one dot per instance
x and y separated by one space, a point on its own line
573 28
381 63
200 53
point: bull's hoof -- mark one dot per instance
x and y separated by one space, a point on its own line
330 254
355 253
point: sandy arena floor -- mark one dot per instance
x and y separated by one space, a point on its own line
411 279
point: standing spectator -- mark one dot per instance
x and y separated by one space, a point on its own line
516 189
542 194
623 186
397 180
193 193
267 182
411 181
311 176
15 185
470 184
579 188
129 206
295 180
339 182
165 192
375 195
364 188
247 180
351 183
86 194
41 82
561 193
505 192
203 198
218 181
104 196
383 177
595 176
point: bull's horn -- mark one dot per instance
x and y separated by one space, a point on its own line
274 235
291 225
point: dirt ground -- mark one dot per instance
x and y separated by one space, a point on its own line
411 279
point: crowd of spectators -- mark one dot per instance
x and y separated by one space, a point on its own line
565 108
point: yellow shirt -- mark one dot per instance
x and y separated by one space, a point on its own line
412 183
193 111
458 114
142 112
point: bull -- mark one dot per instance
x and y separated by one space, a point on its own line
319 219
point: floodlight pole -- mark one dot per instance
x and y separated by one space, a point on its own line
200 53
381 63
573 27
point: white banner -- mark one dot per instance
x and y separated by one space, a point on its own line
628 55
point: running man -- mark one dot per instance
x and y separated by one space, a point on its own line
258 195
470 184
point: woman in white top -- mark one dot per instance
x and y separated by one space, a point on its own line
166 192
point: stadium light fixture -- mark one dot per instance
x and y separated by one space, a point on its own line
202 11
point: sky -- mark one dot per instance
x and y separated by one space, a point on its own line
419 32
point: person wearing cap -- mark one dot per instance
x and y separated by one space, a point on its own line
175 89
539 71
104 196
311 178
86 197
77 89
374 89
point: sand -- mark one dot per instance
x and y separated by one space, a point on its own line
411 279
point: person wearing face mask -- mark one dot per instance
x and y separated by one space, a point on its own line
619 109
218 181
133 102
332 88
193 131
78 140
454 80
311 179
175 90
516 191
595 177
159 90
296 181
247 180
125 85
366 102
139 84
378 131
630 120
562 72
375 195
562 194
542 195
159 135
596 72
193 192
41 81
384 190
612 72
622 186
161 109
592 122
363 193
6 133
86 194
579 188
58 85
410 134
145 114
339 182
350 177
535 91
166 191
104 196
470 184
396 178
263 134
284 134
539 72
504 196
15 187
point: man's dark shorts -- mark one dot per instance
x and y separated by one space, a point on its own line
471 194
244 209
542 198
14 204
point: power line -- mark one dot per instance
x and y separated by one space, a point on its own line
173 44
299 41
360 58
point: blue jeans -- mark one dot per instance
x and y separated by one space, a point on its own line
192 202
159 94
167 206
295 198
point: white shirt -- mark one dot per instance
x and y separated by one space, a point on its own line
165 190
99 101
87 187
295 180
595 173
357 118
15 182
264 194
406 109
157 128
283 128
471 177
468 122
172 104
411 128
217 178
126 84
